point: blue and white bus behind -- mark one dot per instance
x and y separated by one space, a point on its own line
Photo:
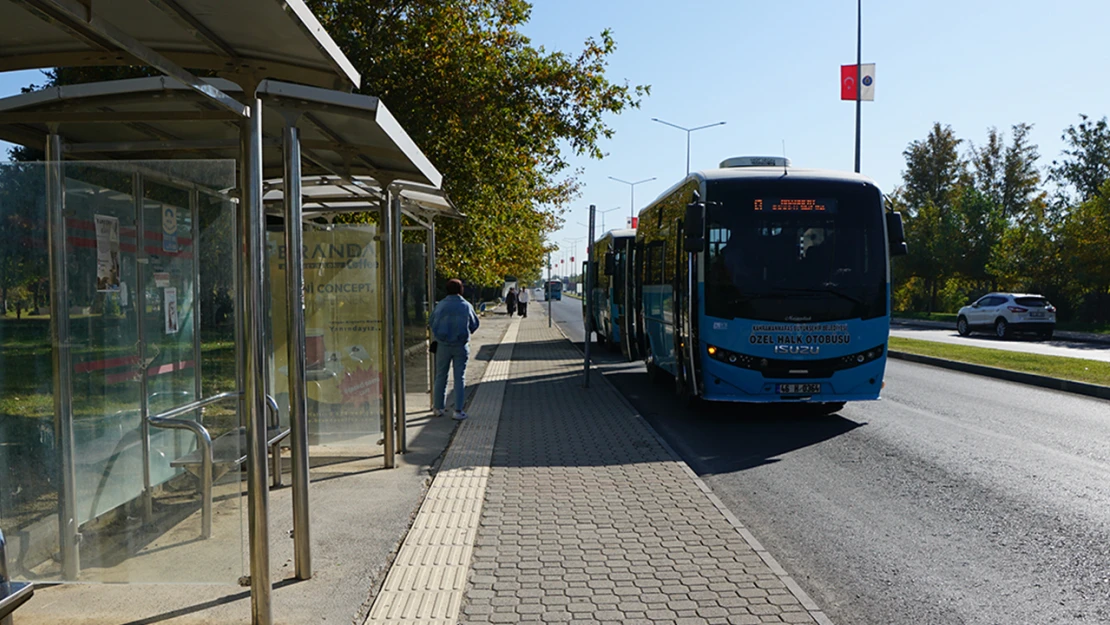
612 292
762 283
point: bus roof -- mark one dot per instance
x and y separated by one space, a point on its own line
776 173
622 233
765 173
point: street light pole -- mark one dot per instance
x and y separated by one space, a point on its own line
859 59
632 199
687 131
603 217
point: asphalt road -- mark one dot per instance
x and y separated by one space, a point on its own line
1052 347
955 500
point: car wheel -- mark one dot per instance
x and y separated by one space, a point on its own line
1002 329
962 327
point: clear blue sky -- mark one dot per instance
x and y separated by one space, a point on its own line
770 69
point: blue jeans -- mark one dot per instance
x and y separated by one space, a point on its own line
446 354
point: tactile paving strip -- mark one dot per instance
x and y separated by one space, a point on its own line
426 582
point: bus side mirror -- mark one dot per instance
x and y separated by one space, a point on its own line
610 263
897 234
695 240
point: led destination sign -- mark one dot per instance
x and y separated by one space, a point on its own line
795 205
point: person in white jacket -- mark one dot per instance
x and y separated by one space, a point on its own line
522 298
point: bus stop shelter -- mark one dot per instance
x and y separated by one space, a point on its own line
268 129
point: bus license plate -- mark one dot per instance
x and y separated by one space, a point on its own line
799 389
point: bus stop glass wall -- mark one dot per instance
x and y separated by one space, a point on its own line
343 339
414 312
149 265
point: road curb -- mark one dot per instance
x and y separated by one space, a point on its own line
1067 386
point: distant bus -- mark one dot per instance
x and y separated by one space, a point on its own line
612 294
762 283
553 290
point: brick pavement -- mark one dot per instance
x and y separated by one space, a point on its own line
560 504
590 518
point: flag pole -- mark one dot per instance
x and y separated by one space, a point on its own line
859 72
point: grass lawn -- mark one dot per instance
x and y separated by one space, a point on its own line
1077 369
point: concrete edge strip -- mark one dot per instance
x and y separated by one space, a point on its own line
795 589
1031 379
428 578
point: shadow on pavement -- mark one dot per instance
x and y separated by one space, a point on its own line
715 438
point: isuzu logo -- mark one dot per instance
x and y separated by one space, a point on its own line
810 350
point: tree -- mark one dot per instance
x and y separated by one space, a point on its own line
490 110
1085 167
1006 182
932 178
1085 238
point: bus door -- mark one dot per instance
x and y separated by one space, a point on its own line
684 311
628 311
636 298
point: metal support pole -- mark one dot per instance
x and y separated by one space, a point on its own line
253 217
859 59
399 322
389 375
59 330
298 402
589 295
138 193
194 212
431 305
548 289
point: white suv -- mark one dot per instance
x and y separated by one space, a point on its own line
1008 313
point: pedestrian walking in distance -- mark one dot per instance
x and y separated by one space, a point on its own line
522 302
452 323
510 301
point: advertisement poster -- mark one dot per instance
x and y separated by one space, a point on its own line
342 329
107 253
170 307
169 229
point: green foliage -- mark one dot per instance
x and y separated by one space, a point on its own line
490 110
1086 163
984 222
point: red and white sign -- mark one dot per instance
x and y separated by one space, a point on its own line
632 221
866 82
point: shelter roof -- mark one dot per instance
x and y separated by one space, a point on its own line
278 39
342 134
324 195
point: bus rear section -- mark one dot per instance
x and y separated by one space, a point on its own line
777 289
613 290
553 290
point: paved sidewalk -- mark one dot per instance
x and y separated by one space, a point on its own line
586 516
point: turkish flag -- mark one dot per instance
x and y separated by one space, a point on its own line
848 79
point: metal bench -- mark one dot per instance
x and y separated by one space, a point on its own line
212 459
12 594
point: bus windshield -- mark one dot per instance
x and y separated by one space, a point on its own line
801 251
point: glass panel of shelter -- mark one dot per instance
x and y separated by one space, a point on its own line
343 342
132 312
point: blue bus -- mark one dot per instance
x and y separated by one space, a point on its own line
553 290
610 258
762 283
